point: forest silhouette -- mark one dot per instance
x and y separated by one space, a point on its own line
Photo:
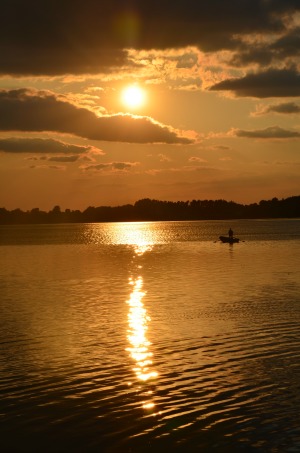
153 210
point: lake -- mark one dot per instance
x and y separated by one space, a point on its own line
150 336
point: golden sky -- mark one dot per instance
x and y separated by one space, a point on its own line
213 111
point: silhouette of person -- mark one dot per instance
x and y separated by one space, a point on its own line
230 233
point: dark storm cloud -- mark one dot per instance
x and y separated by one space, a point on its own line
273 132
270 83
37 111
75 36
39 145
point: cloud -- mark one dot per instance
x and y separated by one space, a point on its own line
187 60
89 37
286 108
288 45
110 166
264 51
273 132
38 111
270 83
164 158
52 167
222 147
41 145
63 158
247 55
197 159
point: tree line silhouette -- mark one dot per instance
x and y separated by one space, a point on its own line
151 210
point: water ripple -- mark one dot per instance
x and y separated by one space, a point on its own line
144 347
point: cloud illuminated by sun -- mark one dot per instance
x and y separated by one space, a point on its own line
133 96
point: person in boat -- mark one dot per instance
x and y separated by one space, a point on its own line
230 233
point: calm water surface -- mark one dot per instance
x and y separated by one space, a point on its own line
133 337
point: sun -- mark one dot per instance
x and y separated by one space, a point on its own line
133 96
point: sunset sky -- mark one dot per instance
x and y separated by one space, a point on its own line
214 113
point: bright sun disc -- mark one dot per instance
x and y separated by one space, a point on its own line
133 96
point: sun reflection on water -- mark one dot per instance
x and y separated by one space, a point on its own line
136 234
141 238
140 235
138 325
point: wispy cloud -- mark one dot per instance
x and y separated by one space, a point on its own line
197 159
273 132
284 108
63 158
51 167
112 166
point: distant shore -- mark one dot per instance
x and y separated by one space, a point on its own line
155 210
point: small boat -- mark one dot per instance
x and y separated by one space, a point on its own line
229 240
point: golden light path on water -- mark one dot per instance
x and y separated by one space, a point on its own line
139 348
141 237
138 319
